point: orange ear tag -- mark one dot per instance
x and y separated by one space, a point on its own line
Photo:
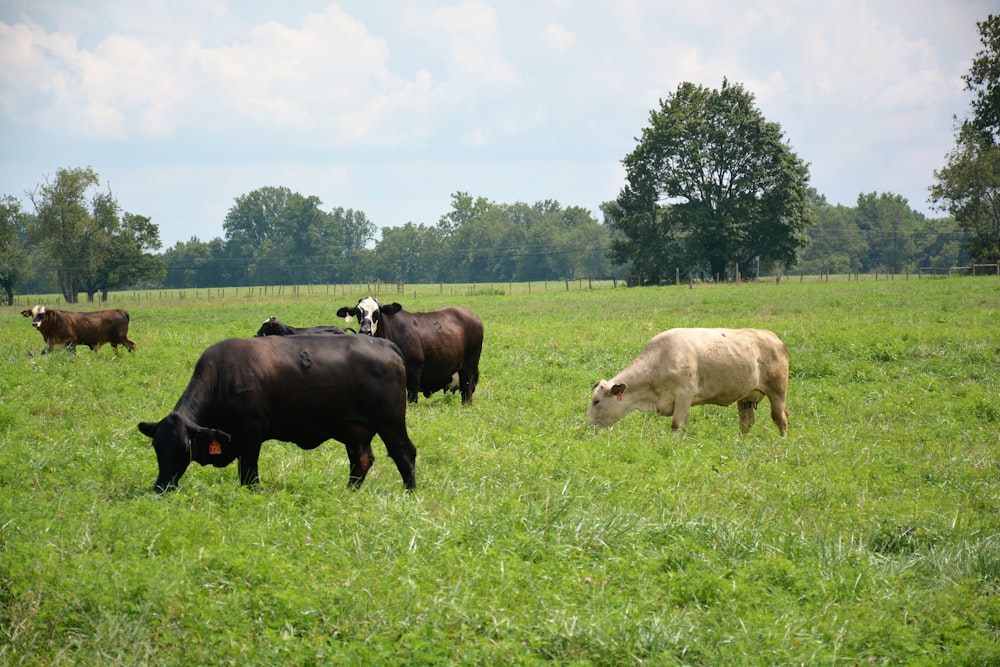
214 448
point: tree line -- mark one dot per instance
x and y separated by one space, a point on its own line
712 190
278 237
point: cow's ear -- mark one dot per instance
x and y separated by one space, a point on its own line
346 312
619 389
210 445
391 309
148 429
206 435
26 313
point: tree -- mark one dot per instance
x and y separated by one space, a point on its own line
14 264
983 79
888 224
64 227
90 242
711 184
835 242
411 254
483 241
968 186
129 259
283 237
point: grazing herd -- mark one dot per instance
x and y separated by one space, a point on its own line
307 385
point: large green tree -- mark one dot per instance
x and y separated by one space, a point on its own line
92 245
14 263
284 237
711 185
968 186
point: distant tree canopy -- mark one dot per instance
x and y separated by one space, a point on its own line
968 186
276 236
86 239
286 238
711 185
482 241
882 233
15 267
273 236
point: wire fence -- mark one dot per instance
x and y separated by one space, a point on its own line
402 290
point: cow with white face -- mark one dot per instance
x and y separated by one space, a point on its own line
60 328
368 313
440 347
684 367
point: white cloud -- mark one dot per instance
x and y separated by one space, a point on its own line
214 98
470 31
558 37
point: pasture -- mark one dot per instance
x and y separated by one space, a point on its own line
870 535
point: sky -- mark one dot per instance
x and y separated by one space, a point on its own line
391 106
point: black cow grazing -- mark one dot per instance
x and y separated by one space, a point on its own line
436 345
272 326
301 389
61 328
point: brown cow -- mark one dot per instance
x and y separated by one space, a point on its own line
684 367
436 346
60 328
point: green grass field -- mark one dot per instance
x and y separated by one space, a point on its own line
870 535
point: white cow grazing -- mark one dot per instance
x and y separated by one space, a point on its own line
684 367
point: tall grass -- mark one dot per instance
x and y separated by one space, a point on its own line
870 535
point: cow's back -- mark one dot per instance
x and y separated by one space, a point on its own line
445 341
714 365
294 386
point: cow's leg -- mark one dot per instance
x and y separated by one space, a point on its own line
467 381
403 453
779 412
465 386
682 405
468 378
414 371
248 464
359 452
747 409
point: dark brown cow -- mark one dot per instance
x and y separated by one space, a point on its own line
272 326
60 328
301 389
436 345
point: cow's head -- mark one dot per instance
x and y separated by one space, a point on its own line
178 441
36 313
608 403
270 327
369 313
